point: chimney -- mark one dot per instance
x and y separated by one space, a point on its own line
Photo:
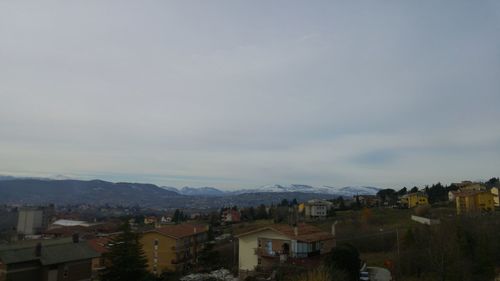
76 238
38 250
295 230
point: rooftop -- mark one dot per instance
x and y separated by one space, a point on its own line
305 232
53 251
180 230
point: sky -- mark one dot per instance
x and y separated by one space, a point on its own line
239 94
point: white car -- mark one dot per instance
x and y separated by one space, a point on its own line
364 276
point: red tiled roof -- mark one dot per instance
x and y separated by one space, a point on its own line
305 232
99 244
181 230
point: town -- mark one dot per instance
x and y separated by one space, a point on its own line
400 234
249 140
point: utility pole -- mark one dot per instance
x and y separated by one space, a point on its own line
399 255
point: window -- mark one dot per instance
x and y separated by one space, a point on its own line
156 242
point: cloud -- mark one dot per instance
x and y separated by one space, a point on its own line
243 94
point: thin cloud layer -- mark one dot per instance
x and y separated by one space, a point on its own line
238 94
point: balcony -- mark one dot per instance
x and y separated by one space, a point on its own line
262 252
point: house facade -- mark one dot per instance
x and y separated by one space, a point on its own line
173 247
316 208
496 198
473 202
415 199
263 248
230 216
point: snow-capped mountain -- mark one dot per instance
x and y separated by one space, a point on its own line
201 191
346 191
339 191
170 188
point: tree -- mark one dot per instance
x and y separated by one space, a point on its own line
493 182
388 195
341 202
126 258
284 203
414 189
344 258
402 191
261 213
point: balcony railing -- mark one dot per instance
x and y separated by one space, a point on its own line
263 252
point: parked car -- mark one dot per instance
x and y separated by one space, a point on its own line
364 276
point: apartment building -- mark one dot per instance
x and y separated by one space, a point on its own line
415 199
32 220
315 208
173 247
474 201
47 260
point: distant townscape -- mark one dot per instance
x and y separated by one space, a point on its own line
97 230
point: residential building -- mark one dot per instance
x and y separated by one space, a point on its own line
415 199
496 200
474 201
369 200
465 186
316 208
230 216
150 220
47 260
32 220
101 246
173 247
166 220
263 248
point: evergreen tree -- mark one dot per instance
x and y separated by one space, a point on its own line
261 212
178 216
126 258
402 191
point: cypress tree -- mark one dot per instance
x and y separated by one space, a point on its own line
126 258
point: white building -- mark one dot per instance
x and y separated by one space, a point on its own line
32 220
317 208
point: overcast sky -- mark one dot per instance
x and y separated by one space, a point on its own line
246 93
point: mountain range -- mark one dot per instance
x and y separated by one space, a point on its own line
32 191
276 188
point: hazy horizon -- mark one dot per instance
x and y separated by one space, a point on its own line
243 94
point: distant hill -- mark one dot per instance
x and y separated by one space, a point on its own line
202 191
44 191
33 191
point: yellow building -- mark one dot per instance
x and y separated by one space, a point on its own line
496 198
411 200
468 202
173 247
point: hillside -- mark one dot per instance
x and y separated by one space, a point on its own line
37 191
